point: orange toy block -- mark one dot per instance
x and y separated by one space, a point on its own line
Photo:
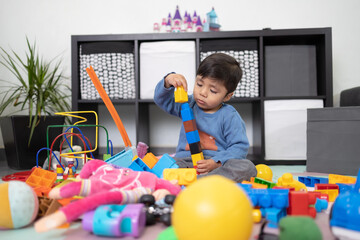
185 176
150 160
255 185
180 95
41 178
335 178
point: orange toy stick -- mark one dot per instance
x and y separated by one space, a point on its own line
109 105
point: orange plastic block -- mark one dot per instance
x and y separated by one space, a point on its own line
335 178
190 125
185 176
180 95
41 178
150 160
42 191
196 157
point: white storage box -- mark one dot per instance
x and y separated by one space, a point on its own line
160 58
285 128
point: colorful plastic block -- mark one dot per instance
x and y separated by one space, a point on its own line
164 162
266 198
287 180
301 203
273 215
311 181
41 178
186 112
116 220
185 176
150 160
180 95
335 178
122 159
139 164
265 182
255 185
343 187
195 148
190 125
332 190
193 137
196 157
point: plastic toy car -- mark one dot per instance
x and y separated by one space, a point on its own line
116 220
158 211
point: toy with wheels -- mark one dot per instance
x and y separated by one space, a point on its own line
213 207
18 205
158 211
116 220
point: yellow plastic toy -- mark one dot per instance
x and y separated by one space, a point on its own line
184 176
180 95
264 172
213 208
287 180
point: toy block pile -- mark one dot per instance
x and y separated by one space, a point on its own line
306 196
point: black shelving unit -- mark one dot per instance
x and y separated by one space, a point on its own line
211 41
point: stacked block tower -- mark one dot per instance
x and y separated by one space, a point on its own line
192 134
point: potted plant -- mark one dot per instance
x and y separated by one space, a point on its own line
40 90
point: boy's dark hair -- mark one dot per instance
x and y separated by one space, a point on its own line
221 67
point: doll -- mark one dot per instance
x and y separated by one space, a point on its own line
101 183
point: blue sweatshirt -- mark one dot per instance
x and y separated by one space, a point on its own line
222 134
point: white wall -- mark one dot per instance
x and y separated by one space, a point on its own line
51 23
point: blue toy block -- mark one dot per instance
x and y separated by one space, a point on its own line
142 165
193 137
266 198
311 181
135 166
244 186
122 159
321 204
164 162
186 112
273 215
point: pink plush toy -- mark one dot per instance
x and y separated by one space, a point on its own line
102 184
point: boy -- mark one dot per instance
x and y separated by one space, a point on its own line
222 131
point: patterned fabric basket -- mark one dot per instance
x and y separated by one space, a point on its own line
115 72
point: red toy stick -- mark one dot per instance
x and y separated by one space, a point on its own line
109 105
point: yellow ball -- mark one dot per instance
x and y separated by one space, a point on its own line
264 172
213 207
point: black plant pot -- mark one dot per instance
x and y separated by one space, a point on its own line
15 132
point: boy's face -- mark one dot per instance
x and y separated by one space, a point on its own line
209 94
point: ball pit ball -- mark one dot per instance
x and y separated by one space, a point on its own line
18 204
213 207
264 172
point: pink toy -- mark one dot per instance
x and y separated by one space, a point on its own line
104 184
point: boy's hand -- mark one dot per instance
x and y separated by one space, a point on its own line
206 166
175 80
